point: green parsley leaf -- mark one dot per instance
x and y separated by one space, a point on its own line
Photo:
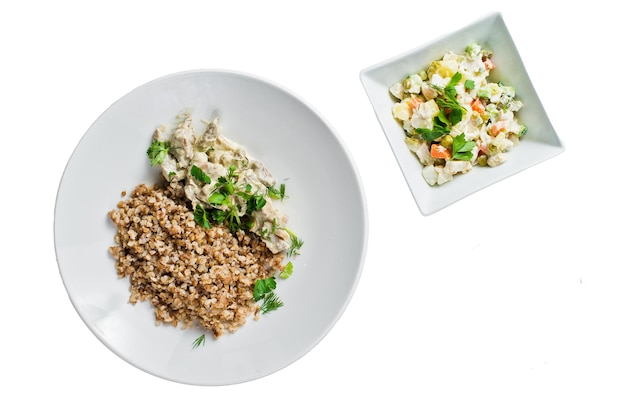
217 199
455 79
450 89
428 134
199 174
229 188
218 215
461 148
200 216
263 287
254 202
469 84
287 271
456 115
442 122
157 151
439 129
227 184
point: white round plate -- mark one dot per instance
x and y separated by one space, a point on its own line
326 207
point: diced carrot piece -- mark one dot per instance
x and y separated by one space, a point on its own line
414 102
497 127
439 151
488 64
477 105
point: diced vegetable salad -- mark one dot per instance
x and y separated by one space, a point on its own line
454 117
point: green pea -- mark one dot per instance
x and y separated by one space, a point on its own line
447 141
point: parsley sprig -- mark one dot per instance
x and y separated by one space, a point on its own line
448 102
157 151
201 216
450 111
461 148
263 287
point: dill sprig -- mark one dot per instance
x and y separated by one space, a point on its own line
199 341
296 244
271 302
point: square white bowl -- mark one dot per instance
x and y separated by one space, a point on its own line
540 142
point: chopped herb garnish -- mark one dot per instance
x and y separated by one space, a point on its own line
271 302
296 243
461 148
157 151
287 271
226 184
439 129
263 287
276 193
447 101
226 208
254 202
232 219
218 215
217 199
469 84
200 175
199 341
200 216
450 111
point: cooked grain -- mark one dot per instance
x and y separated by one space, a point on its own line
191 275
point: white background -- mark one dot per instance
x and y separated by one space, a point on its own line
508 303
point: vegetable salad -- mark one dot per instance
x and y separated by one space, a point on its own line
456 118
